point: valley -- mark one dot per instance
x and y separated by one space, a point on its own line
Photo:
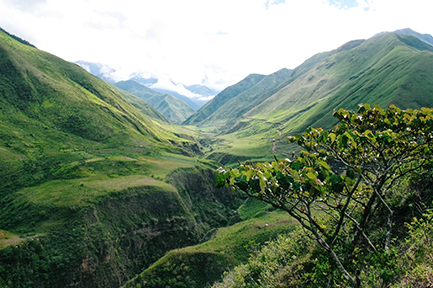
113 184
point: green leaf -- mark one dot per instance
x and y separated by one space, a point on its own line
323 164
332 136
249 174
311 176
295 166
335 179
267 174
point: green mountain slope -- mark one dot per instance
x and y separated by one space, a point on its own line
424 37
61 95
93 191
172 108
229 112
224 96
379 70
142 106
386 69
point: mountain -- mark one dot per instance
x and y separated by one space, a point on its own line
143 107
147 82
202 90
194 103
407 31
25 42
387 69
384 70
222 98
102 71
93 190
172 108
201 93
227 107
97 188
54 94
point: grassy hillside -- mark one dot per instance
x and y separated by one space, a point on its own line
386 69
53 112
87 197
142 106
229 112
375 69
224 96
173 109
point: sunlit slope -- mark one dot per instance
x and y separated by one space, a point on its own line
63 96
231 111
93 190
50 107
223 97
173 109
386 69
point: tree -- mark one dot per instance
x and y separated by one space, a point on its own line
348 173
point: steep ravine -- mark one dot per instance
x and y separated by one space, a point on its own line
117 236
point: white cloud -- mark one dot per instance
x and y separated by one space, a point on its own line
213 42
206 98
167 84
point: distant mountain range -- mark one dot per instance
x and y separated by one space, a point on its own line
201 94
234 101
172 108
193 95
227 115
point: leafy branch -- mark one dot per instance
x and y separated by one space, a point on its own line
345 173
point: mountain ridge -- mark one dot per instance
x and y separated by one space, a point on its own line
108 74
386 69
223 97
172 108
247 100
309 77
407 31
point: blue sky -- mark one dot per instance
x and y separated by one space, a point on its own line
210 42
344 4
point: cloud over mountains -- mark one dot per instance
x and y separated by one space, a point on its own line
214 43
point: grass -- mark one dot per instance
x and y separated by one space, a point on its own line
8 238
234 240
252 208
81 191
101 175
